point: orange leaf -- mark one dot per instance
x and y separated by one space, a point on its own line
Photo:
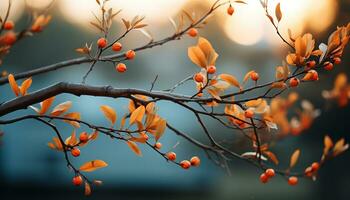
137 115
13 84
328 144
61 108
133 146
45 105
294 158
197 56
278 12
109 113
75 116
160 129
271 156
93 165
230 79
25 85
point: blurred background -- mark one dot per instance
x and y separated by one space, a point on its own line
245 41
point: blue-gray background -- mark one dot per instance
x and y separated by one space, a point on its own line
28 169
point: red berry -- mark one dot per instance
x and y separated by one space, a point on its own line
315 166
195 161
84 137
294 82
249 113
230 10
117 46
185 164
328 66
293 180
75 152
198 78
36 28
130 54
337 60
311 64
121 67
102 43
77 180
254 76
211 69
270 173
264 178
171 156
193 32
314 76
9 25
9 38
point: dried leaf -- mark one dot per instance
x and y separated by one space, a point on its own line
74 116
109 113
45 105
93 165
133 146
137 115
278 12
294 158
230 79
61 108
87 189
160 129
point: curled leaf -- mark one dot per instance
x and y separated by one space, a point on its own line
109 113
93 165
133 146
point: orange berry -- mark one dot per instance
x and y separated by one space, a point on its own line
211 69
121 67
102 43
193 32
315 76
117 46
171 156
337 60
200 94
77 180
311 64
264 178
9 25
185 164
9 38
249 113
308 171
130 54
315 166
293 180
270 173
328 66
83 137
294 82
230 10
254 76
195 161
75 152
198 78
158 145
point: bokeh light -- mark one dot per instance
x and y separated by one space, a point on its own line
17 8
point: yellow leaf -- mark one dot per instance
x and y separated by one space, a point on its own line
61 108
254 103
208 51
75 116
150 108
45 105
93 165
25 85
328 144
160 129
137 115
133 146
13 84
109 113
294 158
230 79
